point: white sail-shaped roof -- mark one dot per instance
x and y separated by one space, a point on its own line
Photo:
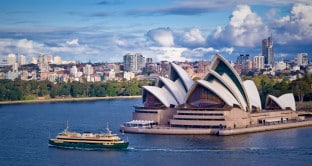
289 100
253 94
162 94
228 83
223 68
217 89
183 75
285 101
176 91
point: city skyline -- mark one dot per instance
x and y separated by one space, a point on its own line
104 31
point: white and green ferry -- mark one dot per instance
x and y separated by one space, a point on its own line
88 140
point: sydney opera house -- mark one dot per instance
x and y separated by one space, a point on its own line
220 99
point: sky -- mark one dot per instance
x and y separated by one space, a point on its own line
172 30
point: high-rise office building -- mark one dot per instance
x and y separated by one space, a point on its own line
149 60
11 59
302 59
50 59
244 61
21 60
242 58
133 62
267 51
258 62
73 71
88 69
57 60
40 59
43 63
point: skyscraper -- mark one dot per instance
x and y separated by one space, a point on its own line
50 59
149 60
245 62
258 62
88 69
302 59
267 51
21 60
57 60
11 59
43 63
134 62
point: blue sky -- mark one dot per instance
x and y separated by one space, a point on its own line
105 30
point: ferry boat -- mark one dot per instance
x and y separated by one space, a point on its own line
88 140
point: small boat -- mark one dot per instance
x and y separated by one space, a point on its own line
88 140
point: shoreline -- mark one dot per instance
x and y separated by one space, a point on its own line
67 99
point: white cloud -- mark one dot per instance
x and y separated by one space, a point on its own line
227 50
162 36
30 48
194 35
295 28
245 29
192 38
23 46
24 43
198 53
205 53
74 42
168 53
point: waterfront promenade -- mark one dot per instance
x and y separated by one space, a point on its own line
268 127
166 130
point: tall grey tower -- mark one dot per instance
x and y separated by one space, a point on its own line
134 62
267 51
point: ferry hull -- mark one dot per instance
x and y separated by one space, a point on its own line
85 145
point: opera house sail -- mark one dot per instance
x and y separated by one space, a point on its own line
219 100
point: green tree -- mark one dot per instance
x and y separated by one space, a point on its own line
2 92
112 88
54 91
77 89
14 94
302 87
133 88
43 88
264 85
282 87
64 89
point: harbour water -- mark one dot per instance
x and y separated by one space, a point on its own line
25 129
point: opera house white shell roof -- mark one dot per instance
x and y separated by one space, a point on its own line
218 90
162 94
283 102
221 86
253 94
172 90
182 75
176 91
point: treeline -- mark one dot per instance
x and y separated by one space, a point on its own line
277 86
29 90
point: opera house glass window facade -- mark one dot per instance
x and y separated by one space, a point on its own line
203 98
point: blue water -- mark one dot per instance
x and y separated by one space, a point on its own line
25 129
